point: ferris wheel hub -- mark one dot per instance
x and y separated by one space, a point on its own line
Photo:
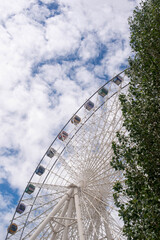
72 185
82 184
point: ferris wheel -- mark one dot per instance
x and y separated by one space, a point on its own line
70 194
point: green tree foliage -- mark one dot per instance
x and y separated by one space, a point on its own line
137 154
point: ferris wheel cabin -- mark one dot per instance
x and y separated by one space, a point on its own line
12 229
63 136
89 105
20 208
76 120
30 189
51 152
118 80
40 170
103 92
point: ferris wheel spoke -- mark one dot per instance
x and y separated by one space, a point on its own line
104 141
103 155
100 200
73 173
49 186
108 114
92 226
117 228
68 167
101 215
99 232
95 138
100 170
92 143
104 181
96 210
53 173
100 157
102 177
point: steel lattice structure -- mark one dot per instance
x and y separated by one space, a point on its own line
73 198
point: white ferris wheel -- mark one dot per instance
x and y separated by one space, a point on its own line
70 194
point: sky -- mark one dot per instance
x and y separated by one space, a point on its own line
53 56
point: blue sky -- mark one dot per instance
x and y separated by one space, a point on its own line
53 56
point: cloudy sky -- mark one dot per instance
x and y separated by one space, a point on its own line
53 56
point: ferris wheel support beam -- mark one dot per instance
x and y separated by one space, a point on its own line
67 222
78 213
50 216
56 228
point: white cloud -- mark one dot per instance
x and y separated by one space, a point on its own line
62 36
46 72
88 48
6 213
10 8
38 12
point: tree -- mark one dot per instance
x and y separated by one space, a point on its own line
137 153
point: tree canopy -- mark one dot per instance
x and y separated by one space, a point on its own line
136 154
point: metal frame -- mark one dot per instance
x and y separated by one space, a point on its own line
73 188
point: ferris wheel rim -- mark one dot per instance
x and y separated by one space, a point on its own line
105 84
